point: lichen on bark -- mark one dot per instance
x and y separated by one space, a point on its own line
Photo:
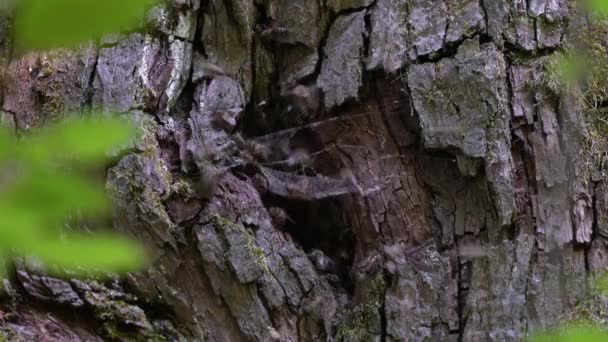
429 192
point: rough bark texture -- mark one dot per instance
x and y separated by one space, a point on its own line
326 170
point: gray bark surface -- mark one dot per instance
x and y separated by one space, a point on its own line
325 171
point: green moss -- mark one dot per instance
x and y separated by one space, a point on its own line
456 7
53 106
362 322
581 73
113 312
145 139
378 291
257 253
45 66
591 312
106 309
158 337
47 70
252 247
119 176
52 102
149 202
147 129
182 187
142 96
436 92
126 186
149 152
517 57
552 75
10 336
222 222
113 332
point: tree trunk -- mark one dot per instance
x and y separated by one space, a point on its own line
399 171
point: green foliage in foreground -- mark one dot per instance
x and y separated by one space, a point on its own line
587 322
598 6
46 24
44 184
580 73
43 178
574 334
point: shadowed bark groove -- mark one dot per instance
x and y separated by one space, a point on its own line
345 170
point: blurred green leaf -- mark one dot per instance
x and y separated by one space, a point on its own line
573 334
6 142
600 283
570 68
17 229
48 198
41 189
598 6
6 5
46 24
100 252
85 140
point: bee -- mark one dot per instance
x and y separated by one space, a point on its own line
258 152
276 34
260 183
212 70
322 262
223 120
203 69
302 103
279 217
274 334
298 190
207 181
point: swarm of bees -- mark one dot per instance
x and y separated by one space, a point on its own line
297 105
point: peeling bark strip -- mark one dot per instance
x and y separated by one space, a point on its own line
437 199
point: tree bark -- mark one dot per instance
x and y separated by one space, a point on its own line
399 171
